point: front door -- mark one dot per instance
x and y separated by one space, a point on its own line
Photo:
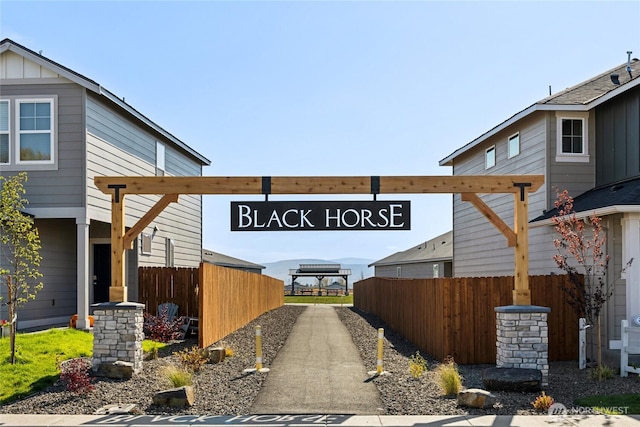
101 272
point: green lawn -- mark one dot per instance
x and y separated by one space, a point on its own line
612 404
36 357
300 299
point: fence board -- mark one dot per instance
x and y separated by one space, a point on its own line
456 316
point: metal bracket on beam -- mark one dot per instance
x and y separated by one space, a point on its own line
522 186
117 187
375 186
266 187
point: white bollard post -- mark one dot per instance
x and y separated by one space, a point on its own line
259 360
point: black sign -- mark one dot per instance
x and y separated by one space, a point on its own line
320 216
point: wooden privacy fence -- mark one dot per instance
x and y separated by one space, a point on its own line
456 317
223 299
157 285
229 299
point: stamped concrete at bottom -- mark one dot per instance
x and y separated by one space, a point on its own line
318 371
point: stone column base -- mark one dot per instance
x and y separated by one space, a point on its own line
118 333
523 338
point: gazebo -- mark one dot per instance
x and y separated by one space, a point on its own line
320 271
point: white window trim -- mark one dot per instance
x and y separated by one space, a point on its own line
486 158
161 158
51 132
509 154
143 237
8 131
170 252
572 157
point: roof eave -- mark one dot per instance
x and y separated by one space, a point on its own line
600 212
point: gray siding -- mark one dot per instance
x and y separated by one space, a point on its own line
479 248
62 187
180 221
616 307
618 136
57 299
125 135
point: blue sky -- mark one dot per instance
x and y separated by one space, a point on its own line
328 88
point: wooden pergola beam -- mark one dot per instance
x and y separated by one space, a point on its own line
170 187
123 185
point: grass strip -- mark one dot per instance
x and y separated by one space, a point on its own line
614 404
308 299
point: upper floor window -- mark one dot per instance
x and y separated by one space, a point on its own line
35 131
514 145
4 132
160 159
27 134
490 157
572 137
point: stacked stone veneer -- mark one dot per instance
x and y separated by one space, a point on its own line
523 338
118 333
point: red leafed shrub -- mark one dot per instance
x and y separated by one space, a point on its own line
75 375
161 328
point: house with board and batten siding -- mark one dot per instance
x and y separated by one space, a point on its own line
585 139
64 129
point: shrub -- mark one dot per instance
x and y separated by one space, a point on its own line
161 328
543 402
417 365
178 377
193 359
75 375
448 377
602 372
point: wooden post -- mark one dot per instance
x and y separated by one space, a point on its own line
521 292
117 290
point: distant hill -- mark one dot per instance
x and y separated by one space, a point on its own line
280 269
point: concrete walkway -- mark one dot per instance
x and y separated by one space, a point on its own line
317 371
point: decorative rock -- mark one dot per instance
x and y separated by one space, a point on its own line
476 398
175 397
216 355
512 379
118 370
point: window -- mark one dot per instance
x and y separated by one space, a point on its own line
160 159
436 271
572 137
4 132
514 145
398 272
145 244
490 157
27 133
170 251
35 131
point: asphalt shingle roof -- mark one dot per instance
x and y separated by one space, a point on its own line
621 193
437 249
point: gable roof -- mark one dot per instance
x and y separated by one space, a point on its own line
93 86
581 97
437 249
621 196
227 261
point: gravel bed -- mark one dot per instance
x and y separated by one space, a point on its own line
223 389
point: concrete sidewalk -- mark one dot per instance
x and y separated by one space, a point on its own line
318 371
317 420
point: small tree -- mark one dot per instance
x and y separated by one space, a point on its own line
20 245
580 254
